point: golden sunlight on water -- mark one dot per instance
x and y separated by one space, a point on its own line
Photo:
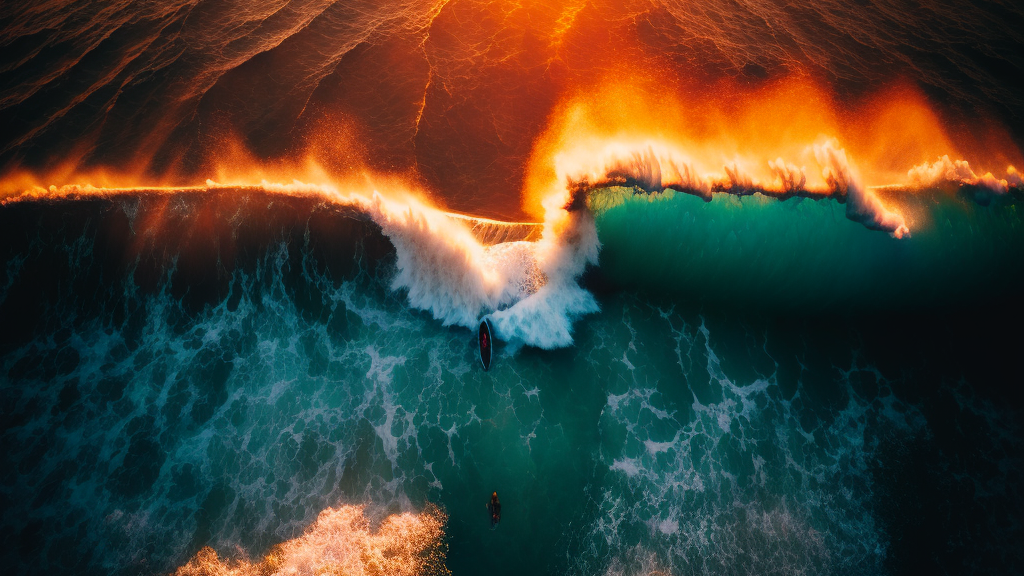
767 137
343 541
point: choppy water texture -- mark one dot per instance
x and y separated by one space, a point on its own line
452 93
223 380
757 297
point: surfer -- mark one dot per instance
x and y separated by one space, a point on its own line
484 335
494 507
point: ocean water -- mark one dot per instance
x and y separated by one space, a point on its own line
218 369
754 271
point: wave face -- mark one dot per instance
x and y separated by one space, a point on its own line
804 256
241 379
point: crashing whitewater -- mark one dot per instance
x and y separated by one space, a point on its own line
526 276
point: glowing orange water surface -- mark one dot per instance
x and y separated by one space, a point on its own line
720 132
343 541
727 130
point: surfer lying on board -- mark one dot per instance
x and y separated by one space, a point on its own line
484 335
494 507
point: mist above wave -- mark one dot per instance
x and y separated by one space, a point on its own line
412 87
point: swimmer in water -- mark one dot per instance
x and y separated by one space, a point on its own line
494 507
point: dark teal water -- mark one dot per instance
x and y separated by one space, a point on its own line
767 388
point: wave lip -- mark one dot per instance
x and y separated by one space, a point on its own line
652 167
446 262
461 269
861 204
983 189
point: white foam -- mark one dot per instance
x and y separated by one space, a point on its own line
440 263
654 448
704 508
627 465
529 289
649 165
654 166
861 204
789 176
946 170
668 526
1013 177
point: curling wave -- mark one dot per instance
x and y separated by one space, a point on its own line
526 276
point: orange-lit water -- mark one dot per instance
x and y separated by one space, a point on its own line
752 268
343 542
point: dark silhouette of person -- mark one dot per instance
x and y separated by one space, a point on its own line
485 345
494 507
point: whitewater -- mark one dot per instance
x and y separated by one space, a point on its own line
455 267
696 374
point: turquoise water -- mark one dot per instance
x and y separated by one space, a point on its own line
223 380
803 254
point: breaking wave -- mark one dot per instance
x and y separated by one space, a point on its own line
527 276
261 370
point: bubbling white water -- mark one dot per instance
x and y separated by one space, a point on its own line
462 269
